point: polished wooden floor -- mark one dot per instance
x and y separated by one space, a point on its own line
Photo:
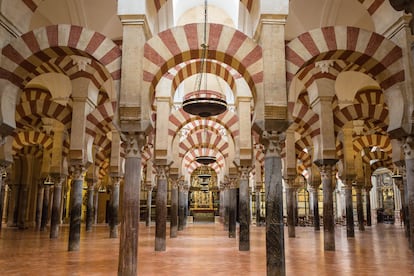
205 249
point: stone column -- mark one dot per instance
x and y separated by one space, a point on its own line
45 208
89 204
290 205
244 209
348 178
148 187
325 167
349 210
128 244
232 211
275 244
408 147
161 208
181 206
114 207
258 188
2 189
368 204
39 205
174 206
399 183
76 208
315 195
406 211
95 205
57 199
360 207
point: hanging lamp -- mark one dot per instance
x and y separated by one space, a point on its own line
204 102
205 159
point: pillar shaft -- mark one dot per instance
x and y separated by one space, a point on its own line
45 208
368 206
114 209
244 210
232 212
57 199
149 203
275 245
174 212
181 209
328 214
89 207
349 211
360 209
291 214
161 209
39 206
128 243
226 208
316 220
76 209
258 207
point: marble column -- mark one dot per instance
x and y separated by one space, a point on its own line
408 147
275 243
174 209
232 211
57 199
399 183
360 207
148 187
226 207
21 223
325 167
114 207
349 210
161 208
368 204
181 207
39 205
76 208
128 243
45 208
95 205
258 205
2 191
316 218
244 209
290 205
89 204
186 207
406 211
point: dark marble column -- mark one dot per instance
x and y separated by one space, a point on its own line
275 241
114 207
181 208
368 205
186 209
128 243
39 205
226 207
360 208
258 205
408 147
161 208
174 209
57 199
95 205
290 205
232 212
21 224
325 167
406 211
148 187
244 209
316 220
89 204
76 208
45 208
2 192
349 210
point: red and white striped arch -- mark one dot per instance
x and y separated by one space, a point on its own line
369 96
305 120
31 138
29 150
381 58
367 141
375 155
29 113
65 65
190 68
178 119
382 164
372 5
100 119
175 46
212 140
36 47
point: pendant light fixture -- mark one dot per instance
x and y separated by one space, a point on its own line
205 159
202 101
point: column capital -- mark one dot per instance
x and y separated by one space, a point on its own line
408 147
162 171
77 171
58 179
272 141
134 143
325 169
116 179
